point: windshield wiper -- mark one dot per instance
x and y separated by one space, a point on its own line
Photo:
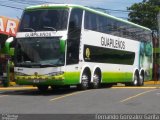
47 27
40 65
48 65
29 29
51 65
28 64
59 64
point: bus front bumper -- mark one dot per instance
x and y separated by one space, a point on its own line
40 80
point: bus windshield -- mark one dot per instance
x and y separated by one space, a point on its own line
39 51
44 20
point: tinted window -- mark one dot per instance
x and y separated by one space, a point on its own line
114 27
106 55
44 20
74 33
43 51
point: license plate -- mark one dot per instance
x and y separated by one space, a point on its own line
37 81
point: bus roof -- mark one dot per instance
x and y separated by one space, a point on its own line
45 6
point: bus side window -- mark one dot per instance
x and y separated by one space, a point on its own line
74 33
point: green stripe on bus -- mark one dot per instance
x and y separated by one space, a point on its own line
72 78
45 7
113 77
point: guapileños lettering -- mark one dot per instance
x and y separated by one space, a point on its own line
109 42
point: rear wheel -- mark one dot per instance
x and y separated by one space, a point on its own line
96 81
136 79
84 81
141 80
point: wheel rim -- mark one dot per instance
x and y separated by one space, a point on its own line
141 79
95 79
85 80
135 80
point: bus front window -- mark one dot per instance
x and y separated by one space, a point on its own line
44 20
39 51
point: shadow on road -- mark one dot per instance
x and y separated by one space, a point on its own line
49 92
36 92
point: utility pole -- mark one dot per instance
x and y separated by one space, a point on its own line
158 18
158 38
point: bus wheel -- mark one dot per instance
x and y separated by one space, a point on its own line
141 80
42 88
136 79
96 81
84 81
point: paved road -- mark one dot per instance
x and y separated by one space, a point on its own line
105 100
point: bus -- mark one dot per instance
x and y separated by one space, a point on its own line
60 45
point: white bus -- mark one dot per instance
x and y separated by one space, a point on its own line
62 45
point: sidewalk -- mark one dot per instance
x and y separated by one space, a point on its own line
152 82
17 87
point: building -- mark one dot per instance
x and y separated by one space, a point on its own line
8 28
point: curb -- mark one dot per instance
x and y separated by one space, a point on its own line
152 83
18 88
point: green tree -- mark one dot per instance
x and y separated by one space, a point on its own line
145 13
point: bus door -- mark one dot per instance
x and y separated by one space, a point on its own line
73 41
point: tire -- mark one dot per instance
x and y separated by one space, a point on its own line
96 81
85 79
42 88
136 80
141 80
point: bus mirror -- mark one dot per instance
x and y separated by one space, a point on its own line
7 45
62 46
11 51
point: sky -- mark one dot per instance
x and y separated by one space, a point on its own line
17 6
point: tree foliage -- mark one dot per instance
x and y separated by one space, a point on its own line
145 13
